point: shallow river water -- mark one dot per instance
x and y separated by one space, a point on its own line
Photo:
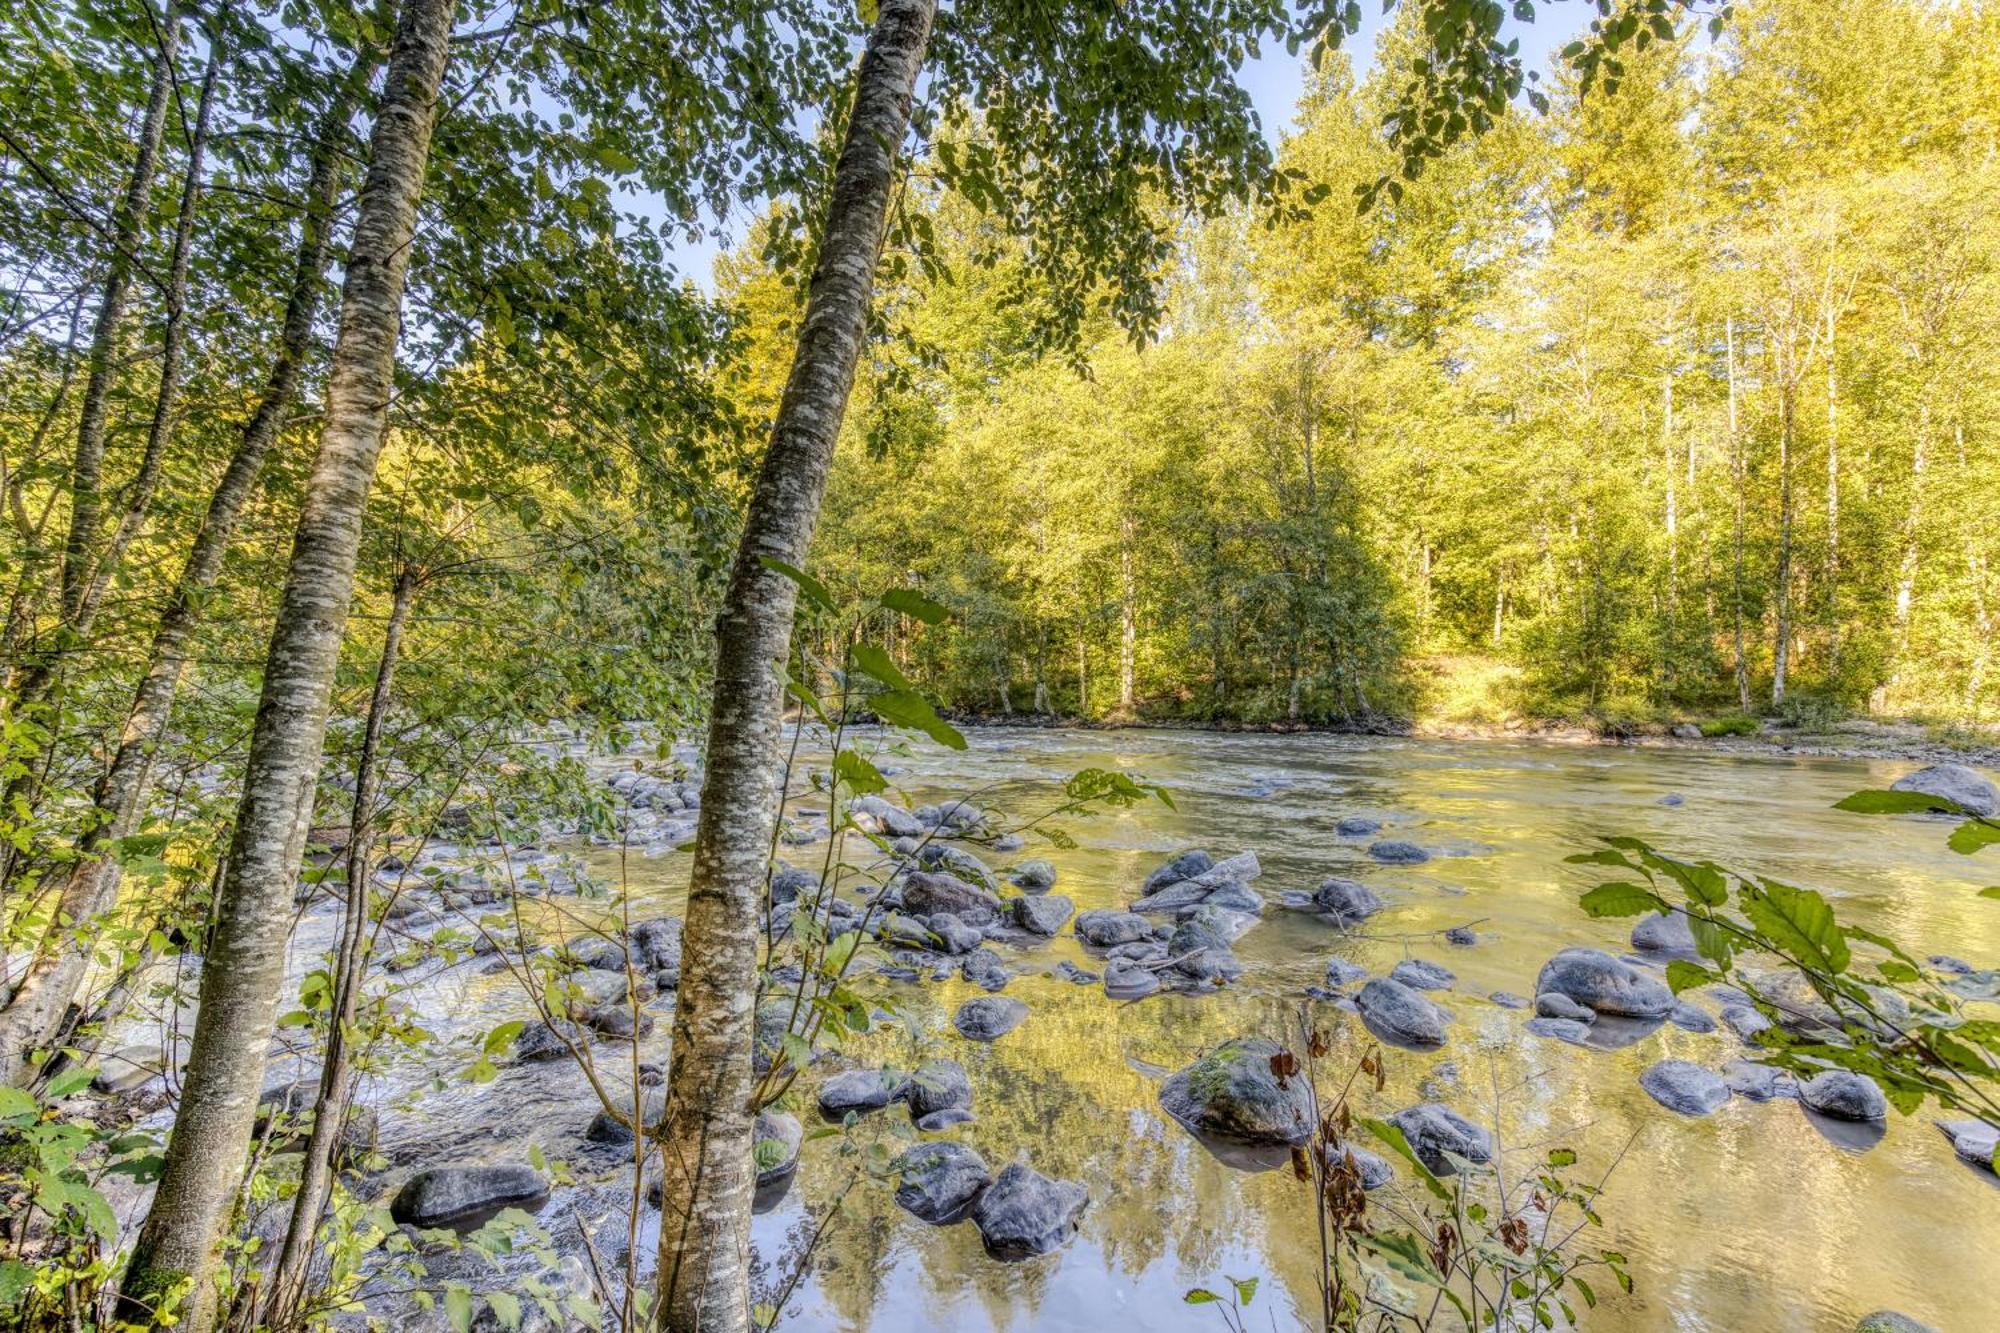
1747 1221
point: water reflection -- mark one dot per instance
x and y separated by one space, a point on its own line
1750 1219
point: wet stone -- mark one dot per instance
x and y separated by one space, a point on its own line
1399 1014
1562 1029
982 967
1968 788
1340 973
937 1085
1035 876
1422 974
1183 866
1758 1083
1347 901
1744 1021
1395 852
1685 1088
860 1090
1104 928
1553 1004
1507 999
1123 982
1841 1094
989 1017
1232 1093
1461 935
458 1194
925 893
1973 1141
1357 826
1041 915
1605 984
1070 972
1433 1129
1690 1018
938 1182
1023 1213
1667 933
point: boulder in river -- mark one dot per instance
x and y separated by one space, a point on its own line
982 967
1433 1130
1125 981
938 1182
1036 876
1398 1014
937 1085
1041 915
1562 1029
989 1017
860 1091
1758 1083
873 814
944 858
774 1143
448 1195
1554 1004
1357 826
1105 928
1396 852
1967 788
1233 1093
1023 1213
1974 1141
1890 1321
1684 1087
1690 1018
925 892
1348 901
1341 974
1605 984
954 933
1183 866
1744 1021
1664 932
1842 1094
1422 974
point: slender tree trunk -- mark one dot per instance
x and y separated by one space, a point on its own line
52 979
1082 674
245 959
1736 464
127 232
1782 649
707 1167
289 1274
1832 496
1906 574
1128 617
1673 526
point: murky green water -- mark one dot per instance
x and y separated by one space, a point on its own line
1748 1220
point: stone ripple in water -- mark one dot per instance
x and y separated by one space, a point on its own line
1748 1222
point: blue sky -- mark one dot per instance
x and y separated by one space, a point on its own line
1274 79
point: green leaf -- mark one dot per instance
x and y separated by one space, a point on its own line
1401 1252
1973 835
458 1306
1898 803
1561 1157
1683 975
814 590
16 1278
70 1080
1393 1136
878 664
1621 898
1201 1296
1993 892
501 1037
909 602
16 1105
1799 922
506 1308
1246 1289
862 777
902 708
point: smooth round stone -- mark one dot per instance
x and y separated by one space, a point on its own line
1182 866
1684 1087
938 1182
1841 1094
1690 1019
1340 973
1357 826
1507 999
1035 876
1347 901
457 1194
1608 985
1105 929
989 1017
1974 1141
860 1090
1042 915
1233 1093
1554 1004
1023 1213
1395 852
1664 932
1966 787
1562 1029
937 1085
1398 1014
1433 1129
1422 974
1130 983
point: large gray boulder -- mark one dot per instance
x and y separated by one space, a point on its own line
989 1017
1433 1129
1396 852
774 1144
1841 1094
925 892
1398 1014
446 1195
1685 1088
1036 876
1041 915
937 1085
1105 928
1605 984
1422 974
1968 788
1974 1141
1023 1213
1348 901
1664 932
1185 865
873 814
1233 1093
938 1182
860 1091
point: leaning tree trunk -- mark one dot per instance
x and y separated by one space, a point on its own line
245 960
34 1015
336 1080
706 1153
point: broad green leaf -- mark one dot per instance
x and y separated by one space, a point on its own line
501 1037
1621 898
814 590
15 1279
1897 803
1246 1289
878 664
1799 922
70 1080
506 1308
907 601
1993 892
911 711
1401 1252
1683 975
862 777
1393 1136
458 1307
16 1106
1201 1296
1973 835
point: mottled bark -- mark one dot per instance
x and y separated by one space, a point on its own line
336 1074
1128 618
52 978
707 1168
244 965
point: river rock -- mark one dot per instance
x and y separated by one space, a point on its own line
1562 1029
1182 866
1396 1013
1126 982
989 1017
1684 1087
1105 928
1664 932
613 1124
1507 999
982 967
1041 915
1348 901
1554 1004
618 1022
1605 984
943 858
1395 852
1968 788
1433 1129
1422 974
1463 936
775 1142
1890 1321
1035 876
860 1091
1023 1213
955 935
1232 1093
925 892
1841 1094
539 1041
1974 1141
1690 1018
938 1182
873 814
1357 826
1758 1083
1744 1021
768 1044
1079 976
937 1085
789 884
443 1195
1341 974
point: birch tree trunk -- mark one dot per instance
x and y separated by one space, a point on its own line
708 1171
1128 618
245 961
1737 469
50 983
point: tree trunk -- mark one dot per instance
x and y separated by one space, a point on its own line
1673 526
1906 574
51 981
1832 496
1782 648
127 232
1128 618
1737 468
294 1265
245 959
708 1171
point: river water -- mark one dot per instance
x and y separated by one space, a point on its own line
1750 1220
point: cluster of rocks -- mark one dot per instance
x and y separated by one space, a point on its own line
648 791
1020 1213
938 1093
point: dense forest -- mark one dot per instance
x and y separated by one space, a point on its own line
1678 400
397 547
